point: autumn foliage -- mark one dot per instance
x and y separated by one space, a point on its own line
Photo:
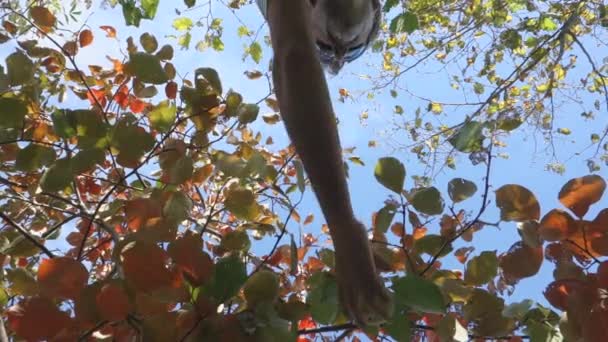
151 206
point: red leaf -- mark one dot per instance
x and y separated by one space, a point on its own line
521 261
144 266
557 292
136 105
556 225
171 90
580 193
99 95
140 210
187 253
37 319
62 277
113 303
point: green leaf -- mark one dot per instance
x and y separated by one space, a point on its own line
241 202
293 256
165 53
132 142
431 245
237 240
57 177
419 294
149 7
21 282
468 138
547 24
3 297
12 112
248 112
148 42
389 4
323 297
399 328
178 207
242 31
300 175
481 269
384 217
180 171
217 44
233 101
131 13
390 172
517 203
87 125
542 332
460 189
20 69
509 124
230 164
33 157
212 77
147 68
428 201
255 50
162 117
229 275
518 310
450 329
87 159
405 22
182 23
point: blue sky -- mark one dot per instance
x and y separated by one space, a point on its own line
526 147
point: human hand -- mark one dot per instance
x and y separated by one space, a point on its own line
362 292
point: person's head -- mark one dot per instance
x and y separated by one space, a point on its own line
344 29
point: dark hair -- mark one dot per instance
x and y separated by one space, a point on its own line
373 34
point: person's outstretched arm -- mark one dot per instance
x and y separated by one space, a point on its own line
305 106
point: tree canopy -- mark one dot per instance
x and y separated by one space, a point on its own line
143 199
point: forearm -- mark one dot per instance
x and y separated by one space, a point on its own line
306 109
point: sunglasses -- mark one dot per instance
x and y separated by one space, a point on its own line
327 54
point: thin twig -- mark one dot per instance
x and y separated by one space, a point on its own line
27 235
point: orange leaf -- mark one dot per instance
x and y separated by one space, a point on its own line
43 18
62 277
521 261
309 219
140 210
556 225
580 193
462 254
590 237
171 90
557 292
144 266
110 31
555 252
70 48
37 319
85 38
98 94
398 229
113 303
187 253
136 105
202 174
